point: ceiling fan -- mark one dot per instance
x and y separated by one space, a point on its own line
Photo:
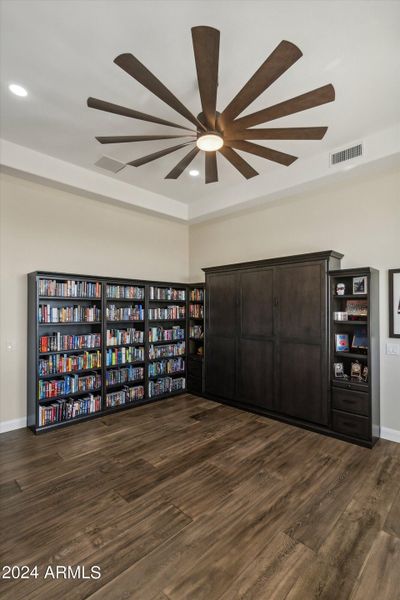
215 131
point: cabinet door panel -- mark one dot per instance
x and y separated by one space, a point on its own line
220 367
256 373
301 301
256 295
221 304
302 389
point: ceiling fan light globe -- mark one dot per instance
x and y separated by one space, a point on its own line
210 142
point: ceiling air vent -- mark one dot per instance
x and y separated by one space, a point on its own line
109 164
346 154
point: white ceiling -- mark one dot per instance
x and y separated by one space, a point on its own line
63 51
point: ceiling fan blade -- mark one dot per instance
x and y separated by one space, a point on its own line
211 167
181 166
278 133
150 157
283 57
316 97
120 139
138 71
129 112
206 54
237 161
274 155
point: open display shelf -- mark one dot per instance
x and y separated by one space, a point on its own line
196 338
355 368
110 316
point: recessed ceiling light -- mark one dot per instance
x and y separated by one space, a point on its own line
194 173
18 90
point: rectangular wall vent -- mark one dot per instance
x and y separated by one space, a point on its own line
346 154
109 164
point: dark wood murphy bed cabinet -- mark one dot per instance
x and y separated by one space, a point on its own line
267 343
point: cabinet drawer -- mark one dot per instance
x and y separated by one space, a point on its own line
195 368
354 402
351 424
194 385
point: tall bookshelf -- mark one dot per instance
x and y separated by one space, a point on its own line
97 345
196 294
354 354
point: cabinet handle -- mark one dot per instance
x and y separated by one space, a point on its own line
276 301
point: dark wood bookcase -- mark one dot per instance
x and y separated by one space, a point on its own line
133 367
196 304
355 412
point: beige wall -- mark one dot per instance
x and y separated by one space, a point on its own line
361 220
43 228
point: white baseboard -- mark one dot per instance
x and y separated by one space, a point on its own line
13 424
393 435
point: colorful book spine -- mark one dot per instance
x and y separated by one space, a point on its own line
167 313
124 375
125 313
64 363
64 410
69 288
130 292
162 367
197 295
57 342
125 396
68 314
159 334
177 349
71 384
166 385
158 293
116 337
123 355
196 311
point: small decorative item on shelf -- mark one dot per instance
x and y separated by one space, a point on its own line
364 375
360 285
340 316
342 342
338 371
360 341
356 371
200 350
340 289
357 310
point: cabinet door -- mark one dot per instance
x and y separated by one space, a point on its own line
220 339
256 344
302 330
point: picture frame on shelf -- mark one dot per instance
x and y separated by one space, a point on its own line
360 285
394 303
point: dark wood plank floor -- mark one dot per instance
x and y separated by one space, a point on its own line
186 499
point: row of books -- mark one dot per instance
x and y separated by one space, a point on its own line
196 311
196 331
125 291
68 314
116 337
124 375
64 363
177 349
125 354
124 396
158 293
70 384
64 410
170 312
166 385
197 295
173 365
69 288
159 334
58 342
125 313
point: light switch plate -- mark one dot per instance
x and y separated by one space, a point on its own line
392 349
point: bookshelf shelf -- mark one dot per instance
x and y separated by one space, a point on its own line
70 323
351 296
162 375
351 322
352 355
52 375
72 395
77 351
196 338
105 303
